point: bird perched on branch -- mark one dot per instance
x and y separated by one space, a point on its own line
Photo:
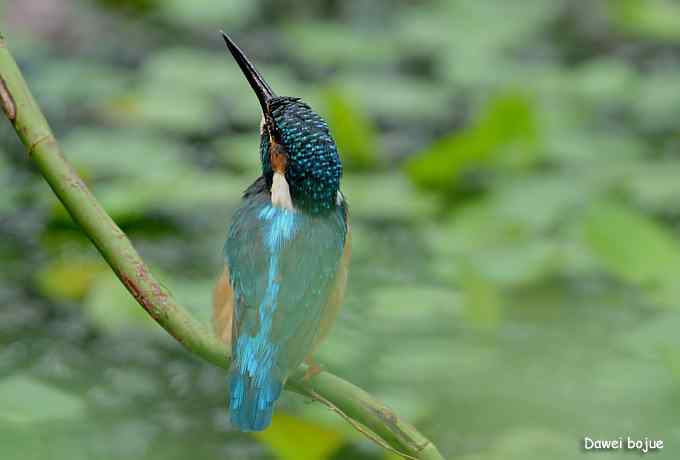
286 254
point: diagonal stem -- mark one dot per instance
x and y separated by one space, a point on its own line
341 396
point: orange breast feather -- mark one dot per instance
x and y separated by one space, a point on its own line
223 307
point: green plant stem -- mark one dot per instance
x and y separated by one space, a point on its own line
354 404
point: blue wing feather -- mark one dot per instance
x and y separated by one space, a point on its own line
283 264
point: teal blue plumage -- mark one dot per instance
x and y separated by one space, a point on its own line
283 262
285 255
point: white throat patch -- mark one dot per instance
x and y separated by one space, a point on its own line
281 193
262 125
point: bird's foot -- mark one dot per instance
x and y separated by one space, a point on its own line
312 370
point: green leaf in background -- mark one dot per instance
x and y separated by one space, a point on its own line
475 227
538 203
656 104
530 443
167 107
125 153
601 83
183 192
138 6
414 359
521 264
188 68
354 132
479 36
73 82
651 19
655 338
241 153
332 44
195 295
635 248
113 309
291 438
9 198
507 135
145 172
68 279
386 196
25 400
655 186
207 14
513 237
483 303
411 306
398 98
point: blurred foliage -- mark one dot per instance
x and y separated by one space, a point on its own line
320 443
508 129
25 400
511 169
68 279
355 134
652 19
636 249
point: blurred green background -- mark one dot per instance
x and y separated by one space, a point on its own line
513 170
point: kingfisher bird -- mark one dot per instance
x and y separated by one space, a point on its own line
286 254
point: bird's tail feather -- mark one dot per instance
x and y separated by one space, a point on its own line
252 399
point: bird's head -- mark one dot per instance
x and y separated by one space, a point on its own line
300 160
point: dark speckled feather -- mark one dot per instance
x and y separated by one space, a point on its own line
314 167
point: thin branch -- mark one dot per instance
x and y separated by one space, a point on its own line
359 427
348 400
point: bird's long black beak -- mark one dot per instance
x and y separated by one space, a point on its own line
260 86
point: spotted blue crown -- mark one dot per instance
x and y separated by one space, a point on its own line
314 168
